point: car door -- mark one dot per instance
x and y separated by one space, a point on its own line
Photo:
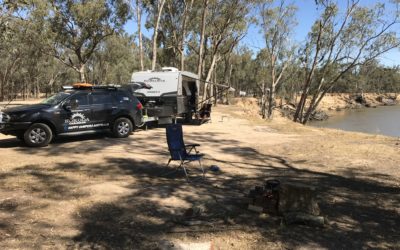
103 106
77 118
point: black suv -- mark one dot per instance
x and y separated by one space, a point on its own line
74 110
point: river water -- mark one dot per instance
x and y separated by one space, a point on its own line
384 120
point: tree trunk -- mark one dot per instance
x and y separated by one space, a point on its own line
2 91
36 90
139 24
300 107
201 44
183 36
51 85
271 101
263 100
23 90
209 74
3 83
155 33
82 73
227 80
215 89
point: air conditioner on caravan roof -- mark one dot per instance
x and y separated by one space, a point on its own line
169 69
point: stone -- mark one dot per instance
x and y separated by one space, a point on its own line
387 101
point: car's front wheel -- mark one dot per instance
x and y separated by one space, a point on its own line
122 127
38 135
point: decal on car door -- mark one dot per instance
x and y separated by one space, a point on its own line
79 121
77 118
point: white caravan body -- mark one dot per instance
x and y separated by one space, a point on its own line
174 93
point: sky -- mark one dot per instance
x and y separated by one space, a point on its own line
305 16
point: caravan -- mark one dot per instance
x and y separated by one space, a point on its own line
173 94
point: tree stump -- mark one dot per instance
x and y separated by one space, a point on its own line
294 197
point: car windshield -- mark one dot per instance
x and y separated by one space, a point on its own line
55 99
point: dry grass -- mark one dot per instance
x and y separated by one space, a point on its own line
98 192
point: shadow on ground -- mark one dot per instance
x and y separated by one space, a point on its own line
362 213
354 207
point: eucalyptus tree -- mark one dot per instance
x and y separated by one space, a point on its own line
227 24
138 10
154 10
175 28
240 71
11 28
378 78
277 23
201 42
112 62
339 41
11 56
79 26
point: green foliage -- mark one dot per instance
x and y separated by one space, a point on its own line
79 26
43 44
113 62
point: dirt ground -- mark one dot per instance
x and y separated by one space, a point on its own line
94 191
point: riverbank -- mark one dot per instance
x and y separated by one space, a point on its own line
329 105
342 101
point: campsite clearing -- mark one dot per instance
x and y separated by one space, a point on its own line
97 191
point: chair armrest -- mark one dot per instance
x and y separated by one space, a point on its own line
190 147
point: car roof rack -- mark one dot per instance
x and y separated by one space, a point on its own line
109 87
82 85
88 86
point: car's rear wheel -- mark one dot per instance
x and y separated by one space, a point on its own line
38 135
122 127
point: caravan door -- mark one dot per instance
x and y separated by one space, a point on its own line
187 97
181 97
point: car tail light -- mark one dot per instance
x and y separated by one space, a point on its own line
139 106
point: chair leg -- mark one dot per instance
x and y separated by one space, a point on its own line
169 161
184 169
201 165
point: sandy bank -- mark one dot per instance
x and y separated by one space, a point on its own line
340 101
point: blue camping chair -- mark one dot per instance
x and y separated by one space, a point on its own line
179 151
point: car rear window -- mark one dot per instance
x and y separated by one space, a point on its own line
122 97
102 98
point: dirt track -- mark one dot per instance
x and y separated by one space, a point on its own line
103 192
